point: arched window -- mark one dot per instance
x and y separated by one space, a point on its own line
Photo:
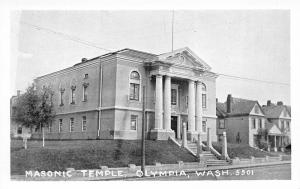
134 85
204 96
135 75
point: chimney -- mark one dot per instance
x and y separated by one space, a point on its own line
83 60
229 103
269 103
279 103
18 93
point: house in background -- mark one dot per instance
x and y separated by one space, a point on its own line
278 123
241 119
101 98
245 121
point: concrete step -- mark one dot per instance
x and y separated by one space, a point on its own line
206 155
216 163
209 158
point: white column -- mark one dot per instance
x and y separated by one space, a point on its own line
199 112
167 103
208 139
178 127
158 102
275 145
199 146
191 107
224 149
184 135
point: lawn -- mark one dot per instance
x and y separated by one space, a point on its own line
91 154
242 151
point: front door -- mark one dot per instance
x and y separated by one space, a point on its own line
174 124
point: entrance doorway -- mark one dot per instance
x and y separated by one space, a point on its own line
174 124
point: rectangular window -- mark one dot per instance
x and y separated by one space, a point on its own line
288 126
60 122
84 93
187 101
61 98
134 91
83 123
86 76
253 123
203 100
73 96
260 123
204 126
133 122
222 124
173 96
71 124
282 125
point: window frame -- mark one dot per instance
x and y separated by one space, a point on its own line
71 126
131 121
136 84
204 95
204 125
223 121
73 95
60 124
282 124
288 125
253 123
260 123
84 92
84 120
61 95
174 103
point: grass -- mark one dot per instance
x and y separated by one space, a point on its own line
242 151
90 154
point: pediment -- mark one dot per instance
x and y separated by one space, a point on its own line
256 110
285 114
184 57
274 130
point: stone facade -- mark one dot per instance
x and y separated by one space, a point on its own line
102 97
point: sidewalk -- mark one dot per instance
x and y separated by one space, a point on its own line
124 173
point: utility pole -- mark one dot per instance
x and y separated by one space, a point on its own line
172 30
143 134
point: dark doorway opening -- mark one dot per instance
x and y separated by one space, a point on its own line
174 124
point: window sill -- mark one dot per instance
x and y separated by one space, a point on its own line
136 100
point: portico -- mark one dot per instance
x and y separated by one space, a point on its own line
165 71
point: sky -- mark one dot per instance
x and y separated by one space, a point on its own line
244 43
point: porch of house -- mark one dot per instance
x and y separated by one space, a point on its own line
276 142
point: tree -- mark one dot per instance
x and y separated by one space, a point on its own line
34 108
262 135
